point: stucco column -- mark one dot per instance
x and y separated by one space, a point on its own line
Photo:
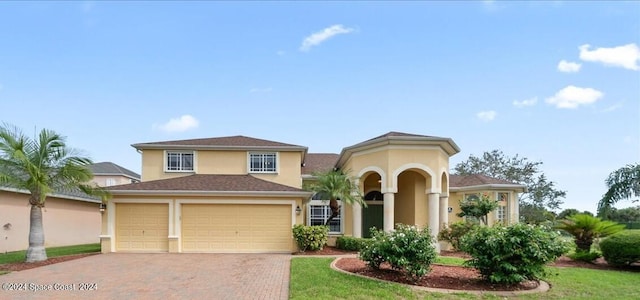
357 220
434 213
444 211
389 203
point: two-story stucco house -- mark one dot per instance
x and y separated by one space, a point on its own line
242 194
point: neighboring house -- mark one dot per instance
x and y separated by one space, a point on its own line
108 174
242 194
69 218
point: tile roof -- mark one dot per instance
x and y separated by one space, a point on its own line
74 194
318 162
207 183
227 141
475 179
109 168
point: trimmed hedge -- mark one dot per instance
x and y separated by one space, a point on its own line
622 248
310 237
351 243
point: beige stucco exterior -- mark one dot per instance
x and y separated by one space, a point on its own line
65 221
229 162
108 180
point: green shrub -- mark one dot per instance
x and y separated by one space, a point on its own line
512 254
310 237
586 256
453 232
406 249
622 248
351 243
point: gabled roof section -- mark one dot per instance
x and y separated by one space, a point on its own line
400 138
206 183
109 168
479 181
319 162
74 194
237 142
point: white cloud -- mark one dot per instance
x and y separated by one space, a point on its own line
319 37
526 102
573 96
626 56
180 124
568 67
612 107
486 116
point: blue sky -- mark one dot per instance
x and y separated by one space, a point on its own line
556 82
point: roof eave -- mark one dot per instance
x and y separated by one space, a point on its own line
219 147
56 195
496 186
214 193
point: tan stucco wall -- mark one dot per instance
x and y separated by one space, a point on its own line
224 162
391 160
457 197
65 222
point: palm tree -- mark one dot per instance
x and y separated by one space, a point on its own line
336 185
623 183
585 228
41 165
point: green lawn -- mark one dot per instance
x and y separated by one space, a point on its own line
312 278
18 256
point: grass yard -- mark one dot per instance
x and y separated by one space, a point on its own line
18 256
312 278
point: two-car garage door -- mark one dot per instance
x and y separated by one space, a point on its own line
236 228
205 227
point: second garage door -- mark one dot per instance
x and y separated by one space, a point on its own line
236 228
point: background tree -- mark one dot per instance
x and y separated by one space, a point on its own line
478 208
568 213
586 228
41 165
542 194
625 215
336 185
623 183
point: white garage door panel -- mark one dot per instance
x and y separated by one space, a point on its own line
142 227
236 228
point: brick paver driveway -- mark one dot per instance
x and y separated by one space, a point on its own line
155 276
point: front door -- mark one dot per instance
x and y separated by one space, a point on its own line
371 217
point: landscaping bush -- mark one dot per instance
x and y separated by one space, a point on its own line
406 249
512 254
351 243
586 256
453 232
622 248
310 237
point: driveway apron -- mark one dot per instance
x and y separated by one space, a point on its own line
154 276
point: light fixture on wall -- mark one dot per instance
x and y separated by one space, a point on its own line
298 210
103 207
450 209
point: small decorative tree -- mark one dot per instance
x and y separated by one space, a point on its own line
478 208
586 228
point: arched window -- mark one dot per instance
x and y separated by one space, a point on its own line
373 196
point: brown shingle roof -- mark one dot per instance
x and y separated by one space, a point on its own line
208 183
227 141
319 162
476 179
109 168
395 133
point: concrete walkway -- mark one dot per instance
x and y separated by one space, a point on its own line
155 276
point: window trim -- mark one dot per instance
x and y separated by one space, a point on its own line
166 161
277 157
326 203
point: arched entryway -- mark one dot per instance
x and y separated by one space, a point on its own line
372 215
411 199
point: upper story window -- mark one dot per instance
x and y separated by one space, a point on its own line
110 182
179 161
263 162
